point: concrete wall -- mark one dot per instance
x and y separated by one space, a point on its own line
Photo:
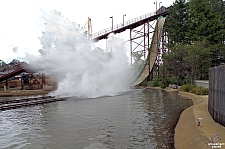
203 83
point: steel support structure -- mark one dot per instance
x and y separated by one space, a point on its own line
140 40
161 50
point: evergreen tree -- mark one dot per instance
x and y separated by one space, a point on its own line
176 22
196 39
218 6
218 50
198 60
203 22
189 62
174 63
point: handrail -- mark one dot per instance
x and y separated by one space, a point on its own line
121 25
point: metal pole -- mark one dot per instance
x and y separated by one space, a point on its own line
112 22
144 41
123 19
159 4
130 46
156 7
149 70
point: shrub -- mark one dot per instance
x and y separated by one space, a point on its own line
144 83
200 91
188 87
154 83
163 86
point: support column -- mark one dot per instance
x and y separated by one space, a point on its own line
149 76
43 81
6 86
144 41
158 49
131 46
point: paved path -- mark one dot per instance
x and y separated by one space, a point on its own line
188 135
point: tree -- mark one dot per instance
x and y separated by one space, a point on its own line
188 62
219 7
218 54
199 60
204 22
2 63
174 63
176 22
196 39
14 62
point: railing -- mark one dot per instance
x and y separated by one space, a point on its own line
121 25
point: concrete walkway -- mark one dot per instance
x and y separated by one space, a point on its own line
190 136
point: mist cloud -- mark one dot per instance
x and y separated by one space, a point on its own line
80 69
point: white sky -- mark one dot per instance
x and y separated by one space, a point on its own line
22 23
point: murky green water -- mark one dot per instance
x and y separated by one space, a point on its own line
142 119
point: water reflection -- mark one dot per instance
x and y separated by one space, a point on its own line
137 119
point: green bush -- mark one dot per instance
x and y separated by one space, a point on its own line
188 87
144 83
198 90
154 83
163 86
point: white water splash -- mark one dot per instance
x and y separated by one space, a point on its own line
80 69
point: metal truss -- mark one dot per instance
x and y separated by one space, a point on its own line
140 40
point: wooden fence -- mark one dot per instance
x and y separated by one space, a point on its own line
216 102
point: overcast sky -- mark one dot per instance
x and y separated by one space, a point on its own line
22 23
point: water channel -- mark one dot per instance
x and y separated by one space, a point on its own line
142 118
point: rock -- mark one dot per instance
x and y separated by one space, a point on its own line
174 86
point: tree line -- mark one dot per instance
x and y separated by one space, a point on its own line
195 40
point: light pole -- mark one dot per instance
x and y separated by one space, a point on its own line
123 18
159 4
155 7
112 22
